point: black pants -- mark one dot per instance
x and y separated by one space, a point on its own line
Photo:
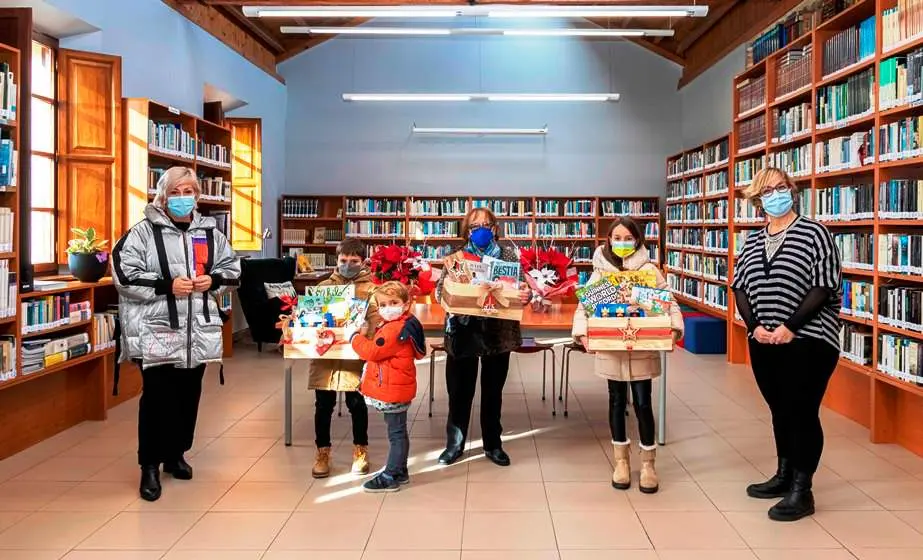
325 402
644 411
793 379
167 412
461 376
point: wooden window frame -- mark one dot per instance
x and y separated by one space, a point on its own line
49 267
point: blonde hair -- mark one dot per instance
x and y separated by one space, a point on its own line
172 177
394 289
485 211
768 177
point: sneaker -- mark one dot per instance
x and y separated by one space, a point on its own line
382 483
403 478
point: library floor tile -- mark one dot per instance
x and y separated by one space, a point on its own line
690 531
132 530
52 530
233 531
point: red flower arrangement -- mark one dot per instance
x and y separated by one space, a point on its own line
550 274
404 265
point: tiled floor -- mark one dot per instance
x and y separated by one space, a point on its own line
75 496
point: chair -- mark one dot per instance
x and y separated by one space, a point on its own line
565 370
262 313
528 346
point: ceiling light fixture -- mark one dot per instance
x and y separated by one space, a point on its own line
436 31
428 97
481 131
496 11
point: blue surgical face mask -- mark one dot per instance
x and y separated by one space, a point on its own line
181 206
482 236
777 204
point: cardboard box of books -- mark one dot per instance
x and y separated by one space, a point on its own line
626 312
488 288
322 323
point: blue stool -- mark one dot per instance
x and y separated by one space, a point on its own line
705 335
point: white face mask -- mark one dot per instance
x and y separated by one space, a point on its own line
391 312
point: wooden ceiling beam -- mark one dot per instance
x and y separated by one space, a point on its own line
702 27
314 3
658 50
253 27
313 41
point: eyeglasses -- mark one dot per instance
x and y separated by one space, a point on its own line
766 191
472 227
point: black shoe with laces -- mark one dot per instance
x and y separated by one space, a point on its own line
150 488
180 469
383 482
798 503
776 487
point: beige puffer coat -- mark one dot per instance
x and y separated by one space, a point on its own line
626 366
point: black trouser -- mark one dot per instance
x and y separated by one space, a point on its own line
325 402
167 412
644 411
461 376
793 379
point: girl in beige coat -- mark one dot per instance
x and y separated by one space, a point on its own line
624 370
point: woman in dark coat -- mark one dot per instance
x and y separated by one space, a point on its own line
473 340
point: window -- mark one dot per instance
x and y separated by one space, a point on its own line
44 140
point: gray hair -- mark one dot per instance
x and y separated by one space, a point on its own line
172 177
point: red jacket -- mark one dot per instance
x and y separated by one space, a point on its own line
390 372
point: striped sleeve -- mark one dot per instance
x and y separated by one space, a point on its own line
826 271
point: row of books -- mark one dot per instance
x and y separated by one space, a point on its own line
857 298
9 288
900 198
849 47
612 208
716 211
44 353
751 94
751 133
310 262
693 263
856 344
569 207
901 139
715 268
9 160
213 153
795 161
517 229
103 326
652 230
7 358
300 208
745 212
455 207
717 153
740 239
50 312
902 23
850 99
901 307
376 207
374 228
900 80
170 138
7 223
435 228
577 230
716 240
716 183
715 295
693 188
675 260
692 238
745 169
675 190
791 122
900 253
434 252
856 249
793 26
581 253
294 236
793 71
8 90
845 202
692 288
843 152
505 207
217 189
900 357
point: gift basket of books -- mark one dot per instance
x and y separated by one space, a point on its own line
550 273
485 287
625 311
321 322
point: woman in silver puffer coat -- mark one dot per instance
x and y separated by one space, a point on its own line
167 269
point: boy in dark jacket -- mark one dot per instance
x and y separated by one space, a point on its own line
389 381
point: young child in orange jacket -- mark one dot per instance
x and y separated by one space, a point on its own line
389 381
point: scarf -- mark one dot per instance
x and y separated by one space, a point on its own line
492 250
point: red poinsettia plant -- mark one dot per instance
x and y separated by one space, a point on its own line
404 265
549 272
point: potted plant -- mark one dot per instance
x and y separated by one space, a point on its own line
85 256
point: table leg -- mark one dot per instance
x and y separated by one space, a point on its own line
565 381
544 369
432 381
554 405
662 423
288 404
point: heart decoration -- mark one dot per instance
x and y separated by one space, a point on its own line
325 340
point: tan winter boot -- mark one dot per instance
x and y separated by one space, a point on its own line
321 463
361 459
649 484
621 474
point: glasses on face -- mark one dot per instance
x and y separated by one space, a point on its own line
766 191
472 227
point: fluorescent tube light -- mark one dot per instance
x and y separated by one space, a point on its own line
499 11
539 97
436 31
482 131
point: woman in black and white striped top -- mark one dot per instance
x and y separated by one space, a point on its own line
787 289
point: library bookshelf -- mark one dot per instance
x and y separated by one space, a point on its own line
859 167
158 137
696 238
313 224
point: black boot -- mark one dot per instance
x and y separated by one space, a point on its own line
180 469
451 455
498 457
776 487
798 503
150 483
454 444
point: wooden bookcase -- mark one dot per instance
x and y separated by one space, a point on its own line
885 403
697 238
431 224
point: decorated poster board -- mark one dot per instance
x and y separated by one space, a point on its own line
322 323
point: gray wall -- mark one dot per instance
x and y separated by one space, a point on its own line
706 101
592 148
